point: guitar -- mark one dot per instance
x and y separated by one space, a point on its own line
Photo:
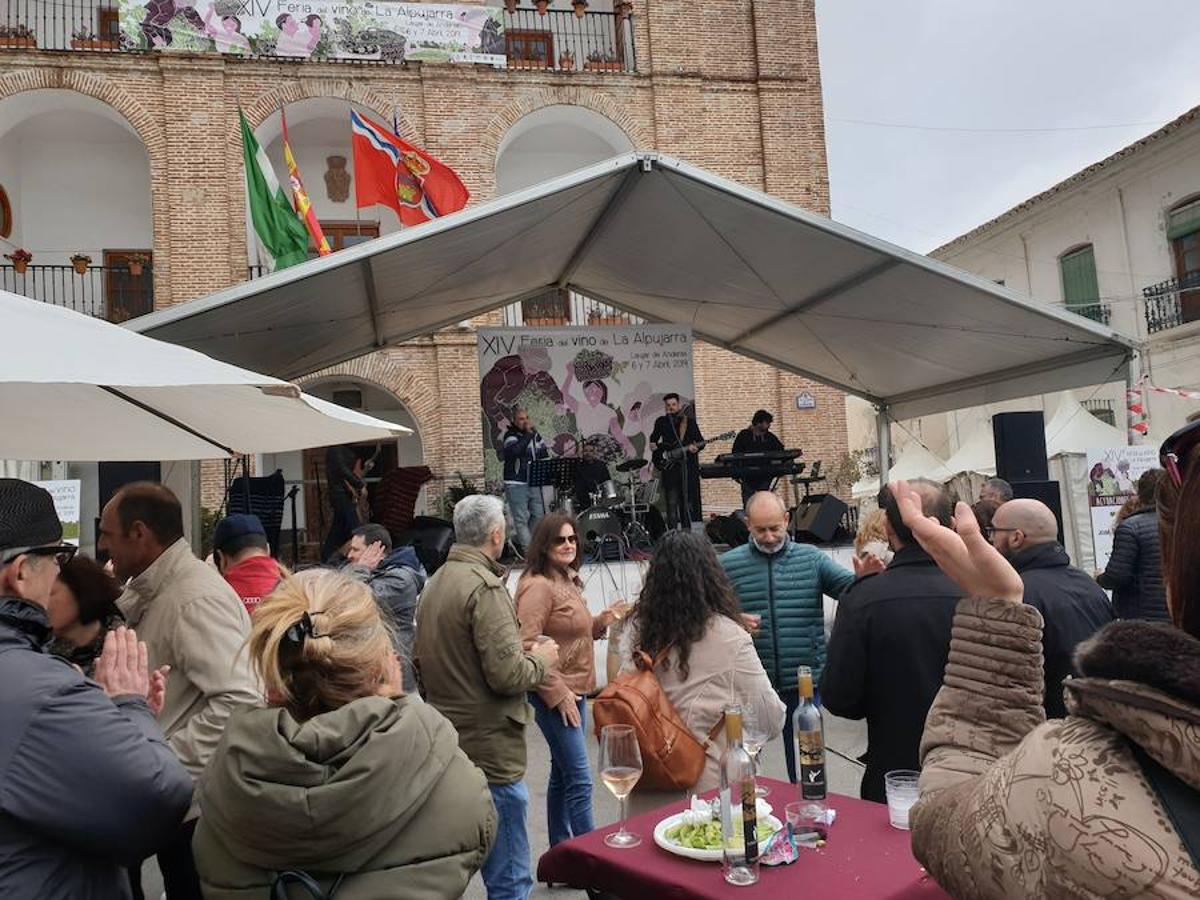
666 459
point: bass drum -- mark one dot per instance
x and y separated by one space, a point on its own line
600 527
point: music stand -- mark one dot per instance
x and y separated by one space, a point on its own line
558 473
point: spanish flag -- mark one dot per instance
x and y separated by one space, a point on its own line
300 197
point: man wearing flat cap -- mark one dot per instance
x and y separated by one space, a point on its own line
87 783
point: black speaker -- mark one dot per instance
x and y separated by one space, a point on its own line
728 530
818 517
431 538
1048 493
1020 439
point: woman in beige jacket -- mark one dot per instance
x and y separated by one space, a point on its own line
1015 806
688 607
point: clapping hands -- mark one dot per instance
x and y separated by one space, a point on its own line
123 668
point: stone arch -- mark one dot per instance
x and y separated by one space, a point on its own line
269 102
379 370
148 129
569 95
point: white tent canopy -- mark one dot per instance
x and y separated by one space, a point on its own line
75 387
914 461
669 242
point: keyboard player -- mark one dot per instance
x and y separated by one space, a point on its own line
757 439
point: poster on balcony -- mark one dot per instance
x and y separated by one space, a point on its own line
1112 482
318 29
595 384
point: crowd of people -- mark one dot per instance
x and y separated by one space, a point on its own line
362 729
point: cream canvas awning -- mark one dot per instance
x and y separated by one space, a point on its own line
671 243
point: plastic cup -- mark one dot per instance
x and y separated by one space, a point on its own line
806 821
901 788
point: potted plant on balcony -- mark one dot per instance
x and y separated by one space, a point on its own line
510 6
623 8
80 261
20 259
136 262
566 60
82 39
580 8
17 36
598 61
542 6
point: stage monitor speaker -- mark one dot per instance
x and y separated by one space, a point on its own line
818 517
1020 439
728 530
431 538
1048 493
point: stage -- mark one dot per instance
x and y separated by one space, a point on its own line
605 582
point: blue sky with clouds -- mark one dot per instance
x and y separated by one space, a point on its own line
983 103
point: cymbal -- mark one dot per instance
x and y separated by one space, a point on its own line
632 465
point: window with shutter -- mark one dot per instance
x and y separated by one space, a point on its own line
1080 287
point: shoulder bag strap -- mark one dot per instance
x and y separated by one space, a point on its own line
1181 801
715 730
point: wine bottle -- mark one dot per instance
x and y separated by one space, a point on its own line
809 731
739 805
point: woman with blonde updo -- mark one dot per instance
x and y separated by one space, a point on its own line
342 782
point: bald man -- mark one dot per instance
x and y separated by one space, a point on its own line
1072 605
783 584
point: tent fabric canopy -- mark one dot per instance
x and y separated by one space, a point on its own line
671 243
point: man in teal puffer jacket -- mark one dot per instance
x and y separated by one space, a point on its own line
783 583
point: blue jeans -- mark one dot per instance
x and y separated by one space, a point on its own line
527 506
792 700
507 872
569 794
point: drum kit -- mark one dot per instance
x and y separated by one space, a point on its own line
622 516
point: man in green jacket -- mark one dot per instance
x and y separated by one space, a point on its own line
781 585
474 670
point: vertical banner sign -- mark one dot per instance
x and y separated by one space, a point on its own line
1112 482
66 495
600 384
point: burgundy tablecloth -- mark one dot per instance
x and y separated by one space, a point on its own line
864 858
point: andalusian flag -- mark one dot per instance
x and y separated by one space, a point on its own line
300 197
281 233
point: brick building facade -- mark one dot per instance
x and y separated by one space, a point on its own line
729 85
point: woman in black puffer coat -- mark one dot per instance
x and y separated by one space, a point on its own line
1134 571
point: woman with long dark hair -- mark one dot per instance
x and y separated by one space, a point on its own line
83 609
688 620
550 603
1094 805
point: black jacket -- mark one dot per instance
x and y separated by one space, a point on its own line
1073 608
749 442
886 658
520 449
87 784
1134 571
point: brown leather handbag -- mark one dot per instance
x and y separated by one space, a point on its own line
672 758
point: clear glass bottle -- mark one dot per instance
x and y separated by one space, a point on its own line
809 730
739 815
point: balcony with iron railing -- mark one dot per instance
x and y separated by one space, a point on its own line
1097 312
536 37
1172 303
114 293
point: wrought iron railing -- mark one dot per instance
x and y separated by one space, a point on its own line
1097 312
106 292
556 39
1171 303
566 308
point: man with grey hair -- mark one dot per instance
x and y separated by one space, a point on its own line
475 671
996 490
522 445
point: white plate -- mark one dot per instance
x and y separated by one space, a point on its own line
660 838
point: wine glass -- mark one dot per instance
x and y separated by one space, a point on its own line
620 769
755 733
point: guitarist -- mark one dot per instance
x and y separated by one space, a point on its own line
344 471
681 481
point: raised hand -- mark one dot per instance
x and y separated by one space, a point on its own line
123 666
372 556
158 689
867 564
962 552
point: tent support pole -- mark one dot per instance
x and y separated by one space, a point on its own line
883 431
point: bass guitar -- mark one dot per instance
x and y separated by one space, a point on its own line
667 459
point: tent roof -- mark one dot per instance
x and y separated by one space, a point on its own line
914 461
672 243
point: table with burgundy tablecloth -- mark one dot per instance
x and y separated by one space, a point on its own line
865 857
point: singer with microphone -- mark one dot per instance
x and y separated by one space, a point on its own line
676 431
522 445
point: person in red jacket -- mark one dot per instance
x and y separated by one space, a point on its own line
243 556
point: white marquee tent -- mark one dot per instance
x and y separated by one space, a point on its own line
669 242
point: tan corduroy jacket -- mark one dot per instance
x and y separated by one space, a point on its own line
193 621
1014 806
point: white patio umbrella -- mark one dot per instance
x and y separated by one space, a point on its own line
75 387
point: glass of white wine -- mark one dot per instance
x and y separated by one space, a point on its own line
755 734
620 769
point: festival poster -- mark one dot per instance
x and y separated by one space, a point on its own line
317 29
1112 481
600 384
66 494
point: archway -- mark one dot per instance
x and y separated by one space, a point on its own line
553 141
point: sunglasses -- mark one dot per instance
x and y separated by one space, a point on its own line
62 553
565 539
1175 450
